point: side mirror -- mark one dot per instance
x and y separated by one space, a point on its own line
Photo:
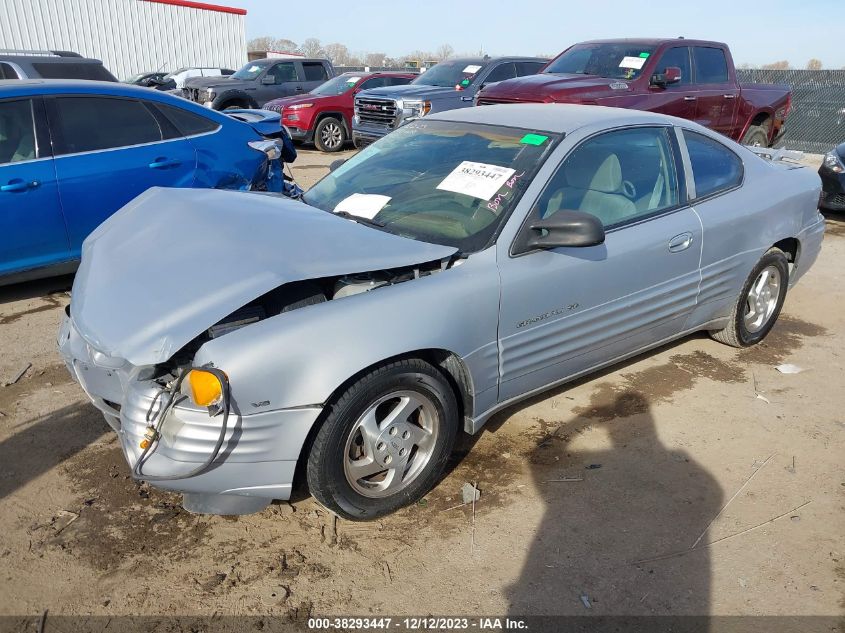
565 228
336 163
267 80
670 75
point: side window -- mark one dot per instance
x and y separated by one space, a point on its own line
528 68
314 71
283 73
7 72
71 70
711 67
374 82
501 72
17 131
186 122
617 176
87 124
714 167
679 58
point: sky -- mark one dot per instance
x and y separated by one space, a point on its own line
757 32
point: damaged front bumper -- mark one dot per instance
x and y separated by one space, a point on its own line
255 465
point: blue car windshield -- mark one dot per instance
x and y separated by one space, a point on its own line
443 182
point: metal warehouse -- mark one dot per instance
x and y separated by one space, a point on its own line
129 36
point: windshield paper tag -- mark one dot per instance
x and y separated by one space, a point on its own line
632 62
472 69
478 180
353 80
364 205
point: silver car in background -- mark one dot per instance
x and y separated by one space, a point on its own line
452 268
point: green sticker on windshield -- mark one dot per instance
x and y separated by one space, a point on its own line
534 139
465 82
644 55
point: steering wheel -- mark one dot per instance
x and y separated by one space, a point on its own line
629 189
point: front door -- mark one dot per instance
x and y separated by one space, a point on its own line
108 151
567 310
280 80
32 229
677 99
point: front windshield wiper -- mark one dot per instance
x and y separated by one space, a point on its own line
359 219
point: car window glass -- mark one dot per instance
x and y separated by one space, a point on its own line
617 176
501 72
7 72
528 68
67 70
17 131
714 167
679 58
314 71
399 81
95 123
711 67
282 73
186 122
374 82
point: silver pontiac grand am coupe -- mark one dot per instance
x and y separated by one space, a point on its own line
460 264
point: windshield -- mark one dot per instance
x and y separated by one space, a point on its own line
337 85
250 71
437 181
612 60
450 73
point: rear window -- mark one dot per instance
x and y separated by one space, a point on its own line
187 123
96 123
711 67
70 70
715 168
314 71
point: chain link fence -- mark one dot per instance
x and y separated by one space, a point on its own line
816 122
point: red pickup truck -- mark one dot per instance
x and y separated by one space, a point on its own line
691 79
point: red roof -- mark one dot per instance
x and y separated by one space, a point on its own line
201 5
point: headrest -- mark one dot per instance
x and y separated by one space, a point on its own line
594 169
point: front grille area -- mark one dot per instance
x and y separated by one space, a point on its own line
834 200
196 95
372 111
273 107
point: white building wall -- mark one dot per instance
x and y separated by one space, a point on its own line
129 36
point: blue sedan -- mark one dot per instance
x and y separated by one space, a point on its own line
74 152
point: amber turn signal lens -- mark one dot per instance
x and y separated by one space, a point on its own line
206 389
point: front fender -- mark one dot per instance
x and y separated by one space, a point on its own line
301 357
221 99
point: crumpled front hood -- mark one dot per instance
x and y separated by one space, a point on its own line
416 91
173 262
552 87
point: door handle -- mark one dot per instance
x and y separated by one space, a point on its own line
164 163
690 98
299 88
729 96
680 242
19 185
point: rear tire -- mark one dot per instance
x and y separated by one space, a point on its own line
330 135
759 303
385 441
756 136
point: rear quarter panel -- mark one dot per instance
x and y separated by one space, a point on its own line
224 158
770 99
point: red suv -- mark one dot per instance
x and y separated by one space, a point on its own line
324 115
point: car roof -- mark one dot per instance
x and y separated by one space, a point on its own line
655 41
15 87
553 117
48 59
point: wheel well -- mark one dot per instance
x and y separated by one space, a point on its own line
791 247
240 100
762 118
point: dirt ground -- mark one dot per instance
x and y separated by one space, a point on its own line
591 494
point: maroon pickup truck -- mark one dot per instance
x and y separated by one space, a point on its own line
691 79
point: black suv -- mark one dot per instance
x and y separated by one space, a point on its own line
258 82
51 65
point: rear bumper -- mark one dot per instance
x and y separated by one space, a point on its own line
255 465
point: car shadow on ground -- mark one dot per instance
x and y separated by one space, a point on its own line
37 289
39 445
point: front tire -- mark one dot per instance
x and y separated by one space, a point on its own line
385 441
330 135
759 303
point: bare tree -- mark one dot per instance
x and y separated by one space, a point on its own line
312 48
375 59
260 43
338 54
284 45
814 64
444 51
781 65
